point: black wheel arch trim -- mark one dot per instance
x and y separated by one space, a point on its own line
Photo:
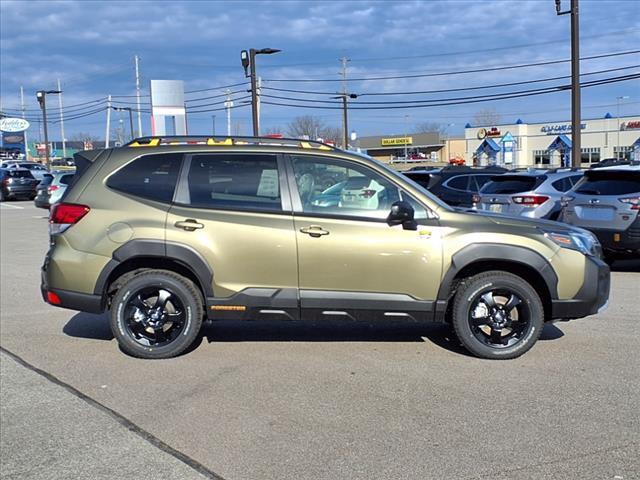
483 252
183 254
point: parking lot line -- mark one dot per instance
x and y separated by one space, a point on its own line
7 205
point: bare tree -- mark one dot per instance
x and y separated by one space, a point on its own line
429 127
332 134
83 137
273 130
306 126
487 117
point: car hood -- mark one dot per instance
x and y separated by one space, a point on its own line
522 223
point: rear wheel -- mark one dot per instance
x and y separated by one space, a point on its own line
497 315
156 314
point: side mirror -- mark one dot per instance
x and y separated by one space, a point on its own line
402 214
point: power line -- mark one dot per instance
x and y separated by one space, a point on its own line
459 72
477 87
217 88
446 102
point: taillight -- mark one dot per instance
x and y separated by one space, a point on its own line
633 201
63 215
53 188
368 193
530 200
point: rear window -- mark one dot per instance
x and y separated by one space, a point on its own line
608 186
20 174
459 183
66 179
506 184
239 182
152 176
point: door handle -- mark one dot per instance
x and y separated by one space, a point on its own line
314 230
189 225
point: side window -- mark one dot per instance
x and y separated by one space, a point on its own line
239 182
66 179
459 183
562 185
338 187
480 180
152 176
575 179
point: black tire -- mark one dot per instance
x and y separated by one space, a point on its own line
485 322
148 303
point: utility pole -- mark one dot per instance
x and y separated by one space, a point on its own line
26 142
228 105
136 60
345 127
64 140
213 125
345 116
41 95
406 119
576 130
107 134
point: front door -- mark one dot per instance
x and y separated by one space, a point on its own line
350 261
231 209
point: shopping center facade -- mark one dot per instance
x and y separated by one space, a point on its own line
548 144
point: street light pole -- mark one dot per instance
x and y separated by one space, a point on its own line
41 95
121 109
249 63
618 102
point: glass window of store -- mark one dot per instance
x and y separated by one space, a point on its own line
623 153
590 155
542 157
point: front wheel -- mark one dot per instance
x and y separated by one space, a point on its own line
497 315
156 314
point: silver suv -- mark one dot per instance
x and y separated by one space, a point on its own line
607 202
531 194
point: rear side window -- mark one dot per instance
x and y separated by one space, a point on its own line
607 186
420 178
506 184
239 182
478 181
459 183
562 185
152 176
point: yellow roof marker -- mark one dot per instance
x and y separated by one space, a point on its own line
154 142
212 141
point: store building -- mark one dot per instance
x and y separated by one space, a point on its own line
389 148
548 144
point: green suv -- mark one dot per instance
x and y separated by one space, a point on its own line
165 233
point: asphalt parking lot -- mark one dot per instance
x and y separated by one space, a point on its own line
298 401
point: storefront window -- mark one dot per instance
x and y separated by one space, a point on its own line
542 157
590 155
623 153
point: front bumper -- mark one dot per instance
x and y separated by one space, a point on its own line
592 296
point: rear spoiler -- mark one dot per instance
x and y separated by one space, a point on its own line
84 159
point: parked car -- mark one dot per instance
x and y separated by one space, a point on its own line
37 169
17 183
149 224
455 185
54 191
607 203
531 194
42 192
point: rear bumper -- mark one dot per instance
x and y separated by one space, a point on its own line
592 296
625 240
83 302
20 190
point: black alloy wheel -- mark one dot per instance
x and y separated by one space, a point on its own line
154 316
497 315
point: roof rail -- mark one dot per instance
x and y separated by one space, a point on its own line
227 141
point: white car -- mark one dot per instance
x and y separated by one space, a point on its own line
38 170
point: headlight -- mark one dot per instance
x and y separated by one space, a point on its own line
583 242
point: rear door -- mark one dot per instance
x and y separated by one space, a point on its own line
605 200
234 210
497 195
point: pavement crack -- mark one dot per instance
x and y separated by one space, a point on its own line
125 422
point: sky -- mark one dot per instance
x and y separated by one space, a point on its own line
90 46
